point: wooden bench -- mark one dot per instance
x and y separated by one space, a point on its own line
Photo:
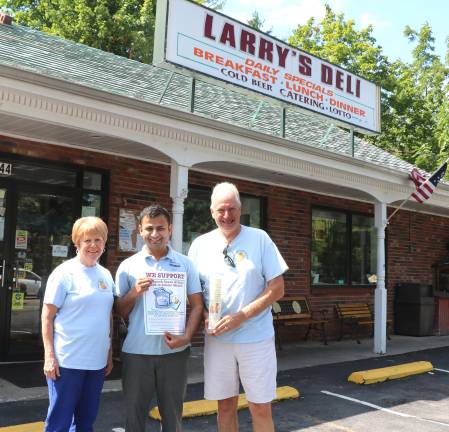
295 311
355 316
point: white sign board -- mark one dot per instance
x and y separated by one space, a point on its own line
5 169
60 251
206 41
165 303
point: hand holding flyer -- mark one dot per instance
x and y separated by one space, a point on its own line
165 303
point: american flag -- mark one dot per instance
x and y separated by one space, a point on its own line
425 188
417 177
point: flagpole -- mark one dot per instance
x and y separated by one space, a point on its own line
403 202
399 208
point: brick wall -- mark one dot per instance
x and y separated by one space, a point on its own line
415 241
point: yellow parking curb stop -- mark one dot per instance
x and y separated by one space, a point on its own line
28 427
208 407
392 372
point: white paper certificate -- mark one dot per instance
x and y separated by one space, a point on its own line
165 303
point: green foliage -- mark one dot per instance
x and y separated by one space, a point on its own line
414 97
257 22
416 123
339 42
123 27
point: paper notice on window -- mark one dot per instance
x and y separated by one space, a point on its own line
129 237
17 300
88 211
21 239
60 251
165 303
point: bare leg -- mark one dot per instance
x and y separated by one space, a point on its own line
261 416
227 415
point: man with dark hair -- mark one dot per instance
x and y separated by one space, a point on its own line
154 364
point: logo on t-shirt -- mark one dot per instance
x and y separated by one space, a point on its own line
102 284
240 256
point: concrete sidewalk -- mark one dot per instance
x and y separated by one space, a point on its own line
293 356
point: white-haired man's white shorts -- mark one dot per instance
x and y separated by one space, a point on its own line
255 363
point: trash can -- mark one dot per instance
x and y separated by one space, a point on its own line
414 308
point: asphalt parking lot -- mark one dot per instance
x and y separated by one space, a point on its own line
327 403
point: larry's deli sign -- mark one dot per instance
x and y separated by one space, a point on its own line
202 40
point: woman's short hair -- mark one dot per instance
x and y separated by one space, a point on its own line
89 225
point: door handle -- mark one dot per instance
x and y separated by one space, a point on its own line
3 273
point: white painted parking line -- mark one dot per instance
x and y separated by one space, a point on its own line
118 430
441 370
377 407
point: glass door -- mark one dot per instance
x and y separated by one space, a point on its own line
40 229
5 268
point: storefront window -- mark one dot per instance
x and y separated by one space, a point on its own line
198 220
251 211
343 248
329 246
364 256
91 204
50 175
38 204
92 180
92 193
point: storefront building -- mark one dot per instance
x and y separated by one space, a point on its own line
84 132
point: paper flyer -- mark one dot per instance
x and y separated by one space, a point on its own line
165 303
129 237
21 239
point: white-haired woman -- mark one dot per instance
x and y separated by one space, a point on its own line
76 331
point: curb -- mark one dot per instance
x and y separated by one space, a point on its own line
388 373
28 427
208 407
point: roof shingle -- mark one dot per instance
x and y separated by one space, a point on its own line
37 52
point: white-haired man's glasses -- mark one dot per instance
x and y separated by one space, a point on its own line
228 260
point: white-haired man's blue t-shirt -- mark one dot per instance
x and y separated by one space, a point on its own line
257 261
84 298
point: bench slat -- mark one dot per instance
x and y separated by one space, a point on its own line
295 311
289 317
355 315
304 322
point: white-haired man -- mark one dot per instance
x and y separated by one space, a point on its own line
249 268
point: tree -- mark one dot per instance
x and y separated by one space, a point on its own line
414 97
257 22
338 41
416 120
123 27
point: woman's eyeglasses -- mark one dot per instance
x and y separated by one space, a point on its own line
228 260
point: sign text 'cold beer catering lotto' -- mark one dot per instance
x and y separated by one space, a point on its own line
205 41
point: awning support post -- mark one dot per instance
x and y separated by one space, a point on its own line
380 293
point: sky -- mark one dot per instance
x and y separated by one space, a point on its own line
388 18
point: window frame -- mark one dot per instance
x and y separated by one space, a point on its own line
262 199
76 189
348 271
